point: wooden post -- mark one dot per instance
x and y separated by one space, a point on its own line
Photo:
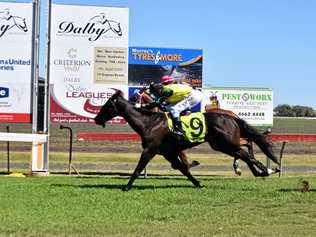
281 156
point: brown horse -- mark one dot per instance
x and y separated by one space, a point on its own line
142 99
223 134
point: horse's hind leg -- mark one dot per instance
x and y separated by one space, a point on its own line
256 167
236 166
245 143
184 169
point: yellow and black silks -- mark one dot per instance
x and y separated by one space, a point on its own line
193 125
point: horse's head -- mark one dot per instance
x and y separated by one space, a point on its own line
108 110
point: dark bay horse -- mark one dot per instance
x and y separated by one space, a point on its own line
143 98
223 134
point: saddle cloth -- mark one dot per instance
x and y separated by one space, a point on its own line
193 126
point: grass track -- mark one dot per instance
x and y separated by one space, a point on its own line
95 206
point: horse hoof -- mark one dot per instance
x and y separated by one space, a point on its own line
126 188
194 163
238 172
277 170
273 171
198 185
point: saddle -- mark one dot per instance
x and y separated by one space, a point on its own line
210 109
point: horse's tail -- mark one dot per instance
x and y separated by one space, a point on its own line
247 131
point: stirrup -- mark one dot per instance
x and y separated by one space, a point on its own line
177 132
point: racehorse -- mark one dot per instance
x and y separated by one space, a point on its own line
143 98
223 134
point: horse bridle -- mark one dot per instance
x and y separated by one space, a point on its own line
114 106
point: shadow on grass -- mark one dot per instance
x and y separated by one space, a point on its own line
153 187
286 190
4 173
214 184
120 186
124 175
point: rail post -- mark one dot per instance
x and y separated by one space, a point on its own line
281 156
8 152
70 165
266 133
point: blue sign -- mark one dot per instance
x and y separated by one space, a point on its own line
163 56
147 65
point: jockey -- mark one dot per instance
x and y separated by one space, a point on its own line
179 97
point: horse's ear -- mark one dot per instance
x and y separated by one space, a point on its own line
119 93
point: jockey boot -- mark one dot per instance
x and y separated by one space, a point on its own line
177 126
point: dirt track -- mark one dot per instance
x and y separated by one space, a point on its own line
128 147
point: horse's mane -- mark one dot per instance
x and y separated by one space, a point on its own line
143 110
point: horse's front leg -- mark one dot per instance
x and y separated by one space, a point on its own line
146 156
184 169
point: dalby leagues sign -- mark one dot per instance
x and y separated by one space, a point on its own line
89 59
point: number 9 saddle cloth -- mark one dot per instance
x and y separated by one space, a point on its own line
193 126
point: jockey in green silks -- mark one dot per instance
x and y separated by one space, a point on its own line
179 97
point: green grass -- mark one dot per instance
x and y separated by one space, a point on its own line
159 206
95 206
294 125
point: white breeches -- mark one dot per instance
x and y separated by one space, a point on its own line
193 99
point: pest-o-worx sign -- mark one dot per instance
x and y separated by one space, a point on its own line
15 61
88 60
255 105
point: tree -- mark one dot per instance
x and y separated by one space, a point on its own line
284 110
294 111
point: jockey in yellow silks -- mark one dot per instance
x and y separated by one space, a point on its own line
179 97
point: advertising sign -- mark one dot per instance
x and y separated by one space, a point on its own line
148 65
255 105
89 60
15 61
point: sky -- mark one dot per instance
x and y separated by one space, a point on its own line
246 43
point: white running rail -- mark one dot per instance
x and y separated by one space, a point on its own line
23 137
